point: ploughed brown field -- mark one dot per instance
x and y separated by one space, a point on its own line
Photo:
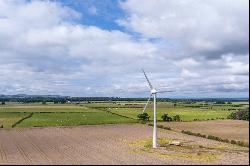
226 129
112 144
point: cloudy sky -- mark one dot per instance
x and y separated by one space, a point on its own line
196 48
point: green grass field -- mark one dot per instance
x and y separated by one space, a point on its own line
8 119
72 119
43 108
186 114
98 113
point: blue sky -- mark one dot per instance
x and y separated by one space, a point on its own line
196 48
98 13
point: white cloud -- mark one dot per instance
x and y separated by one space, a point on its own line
41 46
45 50
187 74
203 27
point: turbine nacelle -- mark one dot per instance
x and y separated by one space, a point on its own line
153 91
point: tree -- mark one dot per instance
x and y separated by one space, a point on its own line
3 102
177 118
143 117
220 102
242 114
166 118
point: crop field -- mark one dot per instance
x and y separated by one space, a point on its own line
112 144
226 129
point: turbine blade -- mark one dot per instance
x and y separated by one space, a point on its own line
150 85
147 103
164 91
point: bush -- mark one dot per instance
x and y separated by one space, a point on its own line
164 127
143 117
242 114
233 142
3 102
242 143
226 140
187 132
166 118
214 138
177 118
195 134
201 135
160 126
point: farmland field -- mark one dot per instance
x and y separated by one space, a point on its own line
107 113
72 119
107 133
43 108
227 129
56 115
186 114
8 119
112 144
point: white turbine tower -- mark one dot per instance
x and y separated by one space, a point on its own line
153 92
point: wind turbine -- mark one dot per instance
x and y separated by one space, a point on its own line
153 93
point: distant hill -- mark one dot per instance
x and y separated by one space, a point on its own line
58 98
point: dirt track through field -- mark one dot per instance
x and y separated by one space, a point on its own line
100 144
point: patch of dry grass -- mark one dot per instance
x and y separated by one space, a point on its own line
188 150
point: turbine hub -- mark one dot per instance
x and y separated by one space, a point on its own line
153 91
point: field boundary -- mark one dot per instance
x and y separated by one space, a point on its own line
104 110
18 122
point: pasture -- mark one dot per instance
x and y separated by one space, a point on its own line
56 115
106 112
8 119
73 119
186 114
